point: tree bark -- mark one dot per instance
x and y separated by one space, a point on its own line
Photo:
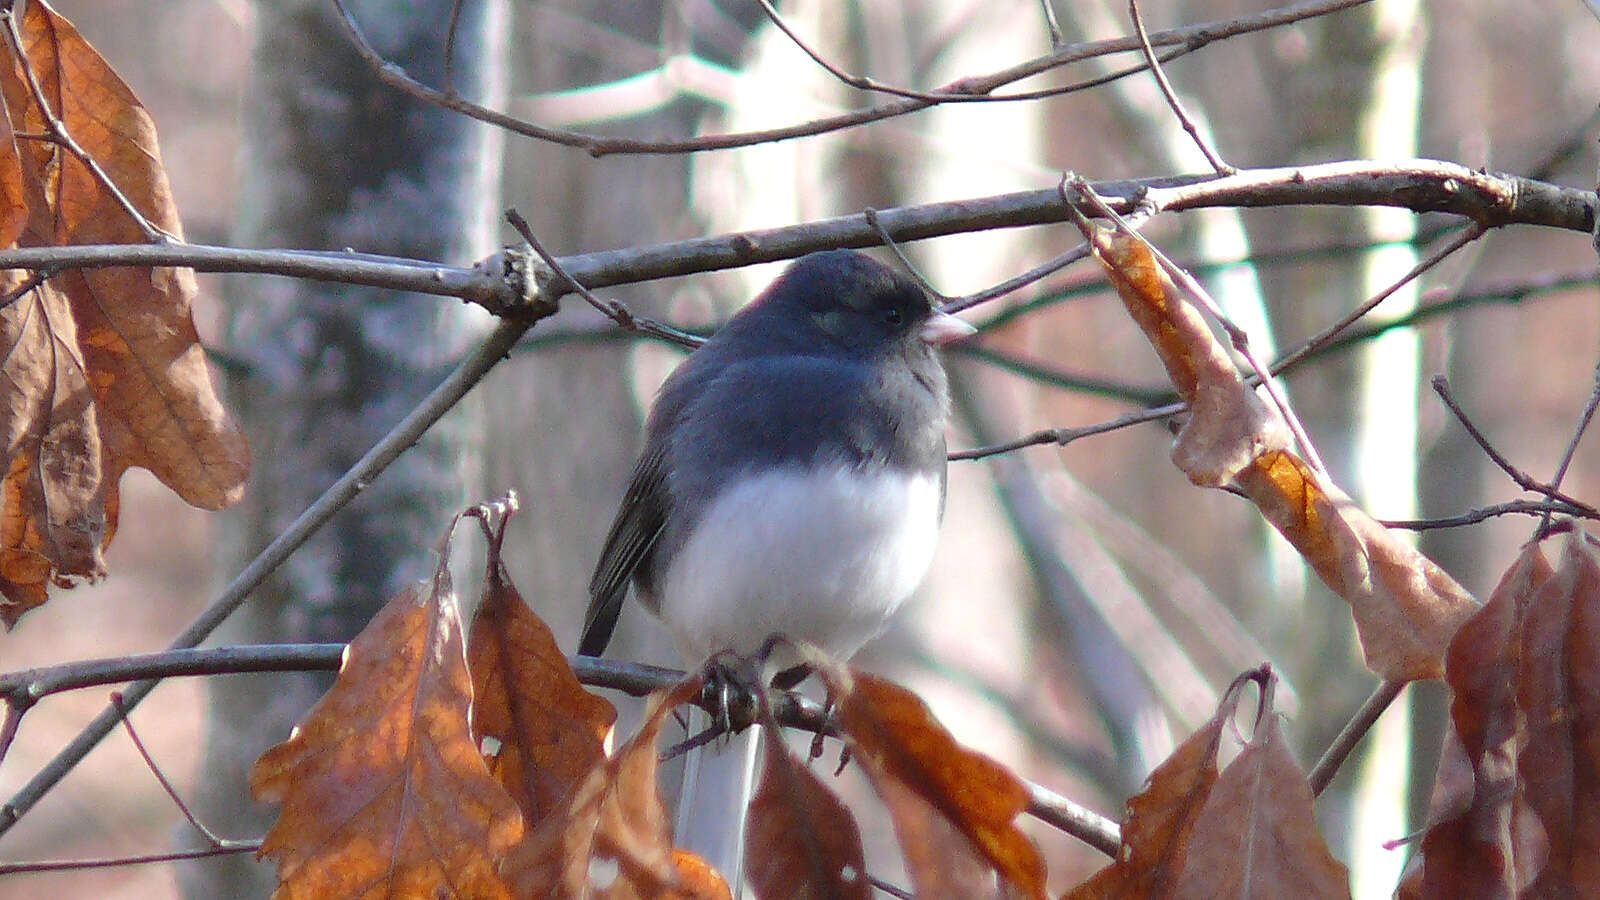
335 160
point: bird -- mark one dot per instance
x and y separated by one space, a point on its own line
792 480
792 483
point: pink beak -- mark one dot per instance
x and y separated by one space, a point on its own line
942 328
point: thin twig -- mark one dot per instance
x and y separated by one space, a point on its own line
1326 336
59 134
1210 153
614 310
27 284
1064 436
1037 273
450 48
1584 419
1321 774
217 843
1051 24
1542 508
15 710
1441 386
400 438
68 865
971 89
905 261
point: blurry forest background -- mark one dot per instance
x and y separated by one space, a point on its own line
1087 603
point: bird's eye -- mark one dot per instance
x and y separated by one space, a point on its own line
893 316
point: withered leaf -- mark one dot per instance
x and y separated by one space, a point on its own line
1406 608
1559 693
805 841
383 791
1161 819
610 838
1228 425
541 731
104 367
1257 835
1483 840
954 810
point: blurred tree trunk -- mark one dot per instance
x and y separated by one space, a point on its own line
334 159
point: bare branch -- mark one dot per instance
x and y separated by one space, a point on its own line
970 89
1321 774
1441 386
1210 153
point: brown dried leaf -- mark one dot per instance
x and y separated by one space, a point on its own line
105 367
546 732
1161 819
610 838
383 791
1406 608
1484 842
1257 835
806 841
1228 425
1559 693
954 810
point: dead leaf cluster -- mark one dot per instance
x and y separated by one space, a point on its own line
103 368
1406 608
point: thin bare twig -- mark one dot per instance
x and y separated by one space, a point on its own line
970 89
15 710
58 134
1326 336
1210 153
1051 24
1064 436
27 284
1441 386
450 48
1037 273
1584 419
1321 774
615 310
1542 508
217 843
67 865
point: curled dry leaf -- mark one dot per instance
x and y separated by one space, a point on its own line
1249 832
1257 835
383 791
807 843
1161 819
104 368
954 810
1405 607
1559 693
610 838
1483 840
540 731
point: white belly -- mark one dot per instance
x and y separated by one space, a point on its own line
818 555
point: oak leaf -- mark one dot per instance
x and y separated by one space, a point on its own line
1160 820
1257 835
954 810
383 790
542 733
1483 840
610 838
1405 607
807 843
1558 691
104 368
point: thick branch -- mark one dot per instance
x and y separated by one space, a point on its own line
1418 185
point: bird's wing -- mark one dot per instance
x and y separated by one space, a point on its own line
639 521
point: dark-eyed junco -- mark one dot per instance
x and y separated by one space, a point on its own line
793 475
